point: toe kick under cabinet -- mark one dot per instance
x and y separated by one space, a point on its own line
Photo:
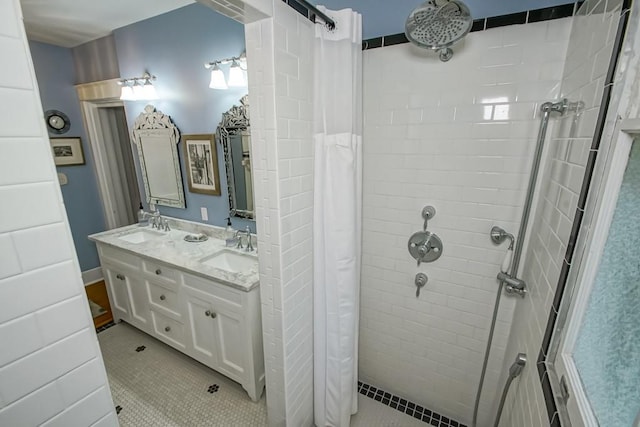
214 323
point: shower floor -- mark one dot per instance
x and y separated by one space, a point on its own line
155 385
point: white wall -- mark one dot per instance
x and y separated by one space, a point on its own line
279 56
458 136
51 370
590 47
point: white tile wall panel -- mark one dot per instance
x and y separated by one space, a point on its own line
9 262
25 375
19 337
14 74
62 319
46 286
26 209
590 46
457 135
30 148
45 325
280 86
22 117
81 381
34 409
42 246
85 412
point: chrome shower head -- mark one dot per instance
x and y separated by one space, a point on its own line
438 25
499 235
518 365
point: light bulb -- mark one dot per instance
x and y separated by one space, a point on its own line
149 91
126 93
137 91
217 79
236 75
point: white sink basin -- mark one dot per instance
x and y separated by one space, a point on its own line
232 262
141 236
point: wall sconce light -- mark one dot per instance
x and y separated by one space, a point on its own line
138 88
236 72
217 78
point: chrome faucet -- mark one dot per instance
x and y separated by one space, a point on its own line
249 243
158 221
245 232
155 220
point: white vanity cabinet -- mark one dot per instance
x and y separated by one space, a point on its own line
216 324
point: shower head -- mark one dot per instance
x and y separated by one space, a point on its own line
438 24
518 365
499 235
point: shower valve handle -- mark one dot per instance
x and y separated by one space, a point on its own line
428 212
420 280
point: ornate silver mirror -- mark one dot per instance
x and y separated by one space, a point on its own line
235 136
156 138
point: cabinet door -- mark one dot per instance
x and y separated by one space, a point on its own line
202 329
232 337
217 332
139 302
118 295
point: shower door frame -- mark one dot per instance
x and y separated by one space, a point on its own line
576 410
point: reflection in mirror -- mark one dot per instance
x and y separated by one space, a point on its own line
156 137
235 136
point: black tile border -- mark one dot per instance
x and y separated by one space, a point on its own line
407 407
552 410
526 17
105 327
504 20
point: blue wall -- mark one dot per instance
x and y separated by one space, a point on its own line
384 17
174 48
55 73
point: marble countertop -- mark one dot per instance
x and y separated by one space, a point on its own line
171 248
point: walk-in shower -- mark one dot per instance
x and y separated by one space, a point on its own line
507 277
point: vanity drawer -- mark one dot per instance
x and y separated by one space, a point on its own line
164 299
224 294
168 328
118 257
161 272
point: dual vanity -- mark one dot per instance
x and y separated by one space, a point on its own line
200 297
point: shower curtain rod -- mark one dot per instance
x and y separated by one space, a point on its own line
330 23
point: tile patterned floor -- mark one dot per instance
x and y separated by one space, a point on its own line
155 385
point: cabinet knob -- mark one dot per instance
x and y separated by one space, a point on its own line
119 277
162 297
158 271
213 315
167 328
207 313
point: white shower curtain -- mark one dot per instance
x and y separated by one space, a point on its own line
337 216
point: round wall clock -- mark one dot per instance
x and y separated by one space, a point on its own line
57 121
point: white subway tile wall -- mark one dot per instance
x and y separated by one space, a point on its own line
280 83
590 47
459 136
51 370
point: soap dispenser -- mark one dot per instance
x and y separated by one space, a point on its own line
143 219
230 234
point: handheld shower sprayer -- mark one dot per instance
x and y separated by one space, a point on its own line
499 235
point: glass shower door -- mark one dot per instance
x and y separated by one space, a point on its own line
599 359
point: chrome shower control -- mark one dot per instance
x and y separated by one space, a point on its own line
425 246
420 280
428 212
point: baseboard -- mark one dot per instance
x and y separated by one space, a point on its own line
92 276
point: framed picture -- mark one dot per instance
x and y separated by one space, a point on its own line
201 161
67 151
